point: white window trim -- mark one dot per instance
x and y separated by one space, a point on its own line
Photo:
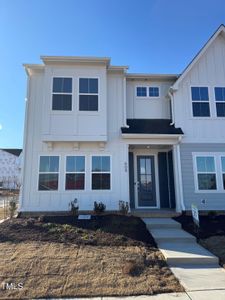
39 160
108 190
216 101
92 112
199 101
147 91
65 172
222 172
218 171
53 93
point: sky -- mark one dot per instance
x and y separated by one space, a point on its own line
150 36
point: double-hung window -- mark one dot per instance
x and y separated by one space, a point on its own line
101 173
220 101
62 94
206 173
75 173
153 91
88 94
48 173
200 101
141 91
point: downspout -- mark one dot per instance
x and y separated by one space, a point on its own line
124 102
21 196
170 93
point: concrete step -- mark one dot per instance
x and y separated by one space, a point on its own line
177 253
171 235
158 223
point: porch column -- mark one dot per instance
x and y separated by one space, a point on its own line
178 178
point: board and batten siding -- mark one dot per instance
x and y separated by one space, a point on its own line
213 200
209 71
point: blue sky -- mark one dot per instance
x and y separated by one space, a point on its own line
152 36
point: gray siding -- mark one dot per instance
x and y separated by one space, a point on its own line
214 201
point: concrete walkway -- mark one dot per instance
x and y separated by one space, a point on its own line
196 268
199 295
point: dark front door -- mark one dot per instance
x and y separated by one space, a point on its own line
146 181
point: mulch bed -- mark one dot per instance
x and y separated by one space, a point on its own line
211 233
209 226
103 230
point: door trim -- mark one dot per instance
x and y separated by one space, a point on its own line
154 155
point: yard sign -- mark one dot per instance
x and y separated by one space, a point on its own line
195 214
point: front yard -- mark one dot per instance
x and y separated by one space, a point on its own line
211 233
108 255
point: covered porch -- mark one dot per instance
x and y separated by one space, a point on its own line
155 180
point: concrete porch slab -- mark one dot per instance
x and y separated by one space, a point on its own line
186 253
199 277
154 223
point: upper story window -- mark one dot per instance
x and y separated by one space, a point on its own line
147 91
220 101
153 91
75 173
62 94
200 101
48 173
206 173
141 91
88 94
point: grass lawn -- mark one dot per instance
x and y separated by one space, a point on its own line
211 233
108 255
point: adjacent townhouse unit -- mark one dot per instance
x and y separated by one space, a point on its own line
95 132
10 168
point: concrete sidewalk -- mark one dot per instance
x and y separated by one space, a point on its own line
197 295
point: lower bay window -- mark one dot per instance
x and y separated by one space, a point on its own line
209 172
75 173
101 173
48 173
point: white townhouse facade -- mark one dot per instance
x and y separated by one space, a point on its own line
95 132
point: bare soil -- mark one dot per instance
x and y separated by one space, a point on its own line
109 255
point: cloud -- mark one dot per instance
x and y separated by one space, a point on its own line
0 126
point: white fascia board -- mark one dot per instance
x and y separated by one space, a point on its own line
139 76
198 56
29 68
75 59
150 136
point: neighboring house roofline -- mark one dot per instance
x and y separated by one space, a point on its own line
221 29
15 152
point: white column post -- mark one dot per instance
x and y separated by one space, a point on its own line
178 178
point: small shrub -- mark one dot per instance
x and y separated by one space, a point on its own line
123 207
74 208
12 208
99 207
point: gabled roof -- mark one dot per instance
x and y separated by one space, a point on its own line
15 152
150 126
220 30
